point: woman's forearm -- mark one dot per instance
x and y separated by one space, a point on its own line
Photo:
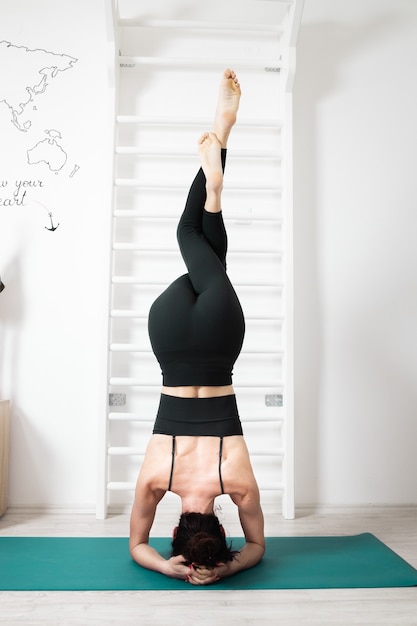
249 556
148 557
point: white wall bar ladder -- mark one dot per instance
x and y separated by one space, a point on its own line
154 165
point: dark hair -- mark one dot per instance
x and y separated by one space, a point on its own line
200 539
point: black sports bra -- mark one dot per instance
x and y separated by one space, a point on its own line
220 464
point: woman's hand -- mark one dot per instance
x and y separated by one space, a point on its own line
201 575
175 568
194 574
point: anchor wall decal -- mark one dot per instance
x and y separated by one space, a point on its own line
52 228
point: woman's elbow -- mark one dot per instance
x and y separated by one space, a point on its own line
261 550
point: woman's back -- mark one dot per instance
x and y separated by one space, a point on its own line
189 466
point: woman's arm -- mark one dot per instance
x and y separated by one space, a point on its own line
141 519
252 521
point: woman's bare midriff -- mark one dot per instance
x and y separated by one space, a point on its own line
199 392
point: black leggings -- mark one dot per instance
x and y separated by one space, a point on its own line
196 325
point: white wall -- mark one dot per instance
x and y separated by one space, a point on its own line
52 312
356 256
355 223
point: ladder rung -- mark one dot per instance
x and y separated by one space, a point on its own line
133 182
269 318
128 313
131 313
260 420
230 27
136 182
128 417
144 218
128 347
124 451
262 352
135 151
272 65
278 453
151 388
129 382
133 280
239 221
130 280
277 487
148 154
121 486
134 247
163 121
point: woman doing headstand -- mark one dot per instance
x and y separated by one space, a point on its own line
197 450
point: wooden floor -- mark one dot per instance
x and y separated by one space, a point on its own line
397 527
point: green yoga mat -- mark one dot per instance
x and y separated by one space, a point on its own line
84 563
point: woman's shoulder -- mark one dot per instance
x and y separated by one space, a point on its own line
236 467
156 463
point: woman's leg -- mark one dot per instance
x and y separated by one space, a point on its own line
201 228
199 313
203 263
218 324
196 218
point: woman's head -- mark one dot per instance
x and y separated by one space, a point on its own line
200 539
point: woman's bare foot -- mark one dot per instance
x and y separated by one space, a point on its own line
209 148
227 106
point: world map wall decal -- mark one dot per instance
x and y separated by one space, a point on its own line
35 69
27 75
